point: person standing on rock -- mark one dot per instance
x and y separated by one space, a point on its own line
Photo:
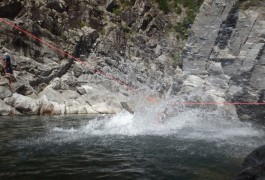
2 69
8 67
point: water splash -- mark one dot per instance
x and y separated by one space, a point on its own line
165 119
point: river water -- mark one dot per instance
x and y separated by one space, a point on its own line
190 144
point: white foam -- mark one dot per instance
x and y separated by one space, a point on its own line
163 119
185 123
70 130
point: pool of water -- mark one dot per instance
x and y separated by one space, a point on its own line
125 146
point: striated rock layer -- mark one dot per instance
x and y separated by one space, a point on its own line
127 46
121 45
226 48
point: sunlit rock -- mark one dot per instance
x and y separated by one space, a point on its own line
24 104
5 91
50 107
5 109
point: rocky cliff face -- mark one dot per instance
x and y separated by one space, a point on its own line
226 48
121 43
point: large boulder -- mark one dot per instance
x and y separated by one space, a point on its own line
50 108
5 109
52 95
23 104
55 102
68 80
108 107
78 107
253 166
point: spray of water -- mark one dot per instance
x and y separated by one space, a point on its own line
165 118
186 126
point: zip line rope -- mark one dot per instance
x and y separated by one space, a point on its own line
220 103
119 81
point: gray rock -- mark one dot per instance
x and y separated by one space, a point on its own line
143 6
221 81
56 84
81 90
257 79
84 89
50 108
253 166
69 94
247 56
129 16
23 104
86 41
78 69
127 107
5 109
204 33
109 107
52 95
3 81
235 91
68 80
5 92
243 28
72 107
215 68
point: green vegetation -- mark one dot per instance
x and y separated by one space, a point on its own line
245 4
102 31
125 29
183 27
178 10
83 24
163 5
122 5
127 2
176 59
117 11
175 5
189 7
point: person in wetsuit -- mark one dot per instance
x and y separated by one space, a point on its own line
8 64
8 70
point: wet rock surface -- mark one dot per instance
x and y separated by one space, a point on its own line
227 42
253 166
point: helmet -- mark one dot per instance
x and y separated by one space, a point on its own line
6 54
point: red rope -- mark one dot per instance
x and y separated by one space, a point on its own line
119 81
220 103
